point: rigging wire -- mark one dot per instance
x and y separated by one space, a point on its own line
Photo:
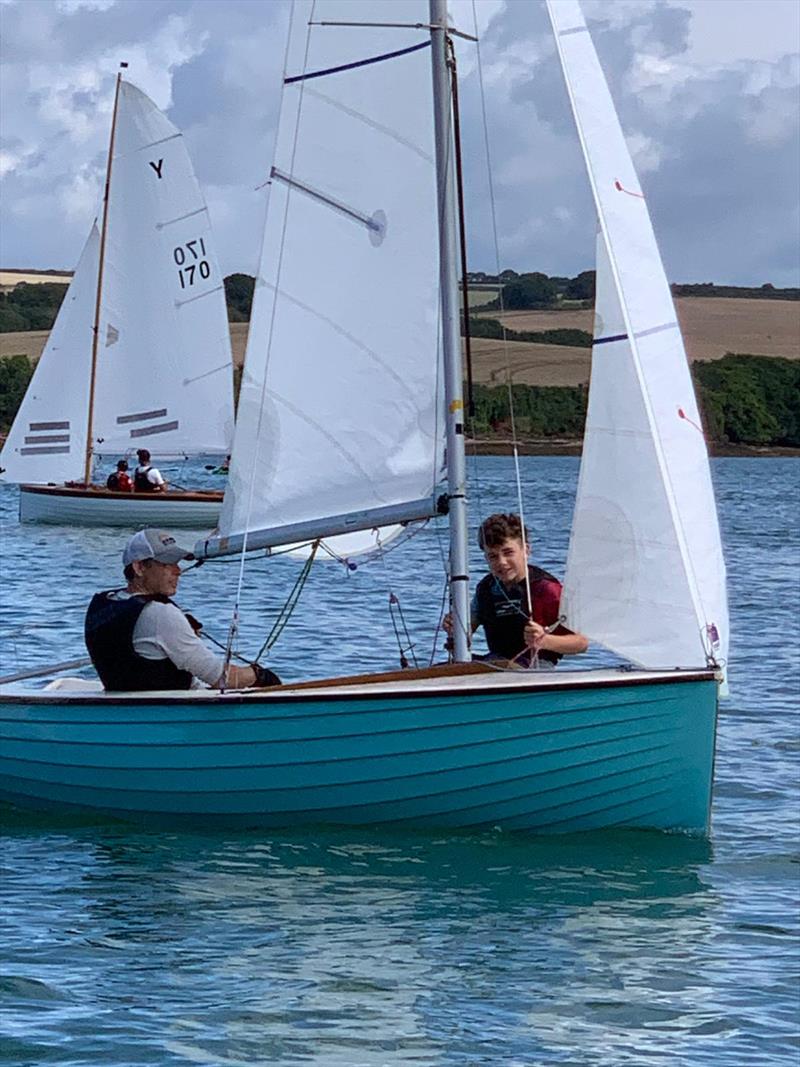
234 625
496 241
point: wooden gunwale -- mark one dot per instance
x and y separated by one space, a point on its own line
100 491
308 690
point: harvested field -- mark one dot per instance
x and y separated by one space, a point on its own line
10 278
530 364
30 344
711 327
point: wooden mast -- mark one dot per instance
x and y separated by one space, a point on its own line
87 468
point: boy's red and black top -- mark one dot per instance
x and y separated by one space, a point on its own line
503 612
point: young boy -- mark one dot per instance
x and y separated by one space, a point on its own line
514 631
120 480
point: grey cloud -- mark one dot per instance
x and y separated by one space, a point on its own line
722 181
723 195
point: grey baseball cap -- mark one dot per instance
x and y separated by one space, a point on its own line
154 544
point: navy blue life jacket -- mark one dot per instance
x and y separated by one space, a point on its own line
503 613
108 631
141 483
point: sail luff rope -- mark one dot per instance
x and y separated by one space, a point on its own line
254 470
500 297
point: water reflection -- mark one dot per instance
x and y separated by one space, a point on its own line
349 946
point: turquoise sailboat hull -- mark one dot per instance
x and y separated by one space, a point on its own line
549 753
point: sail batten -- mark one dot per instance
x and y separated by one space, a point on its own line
645 573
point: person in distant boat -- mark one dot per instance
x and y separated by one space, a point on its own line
530 636
120 480
146 478
139 639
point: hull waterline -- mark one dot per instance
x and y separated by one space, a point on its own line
549 754
68 506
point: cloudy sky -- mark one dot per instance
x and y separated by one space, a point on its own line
708 92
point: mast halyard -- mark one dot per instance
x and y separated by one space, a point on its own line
451 334
87 467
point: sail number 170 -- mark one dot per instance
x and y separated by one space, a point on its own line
190 262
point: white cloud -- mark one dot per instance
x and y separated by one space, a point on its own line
706 93
69 7
8 162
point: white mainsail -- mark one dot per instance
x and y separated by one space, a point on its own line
164 378
47 441
164 368
645 572
340 407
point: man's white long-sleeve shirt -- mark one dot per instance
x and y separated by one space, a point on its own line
162 631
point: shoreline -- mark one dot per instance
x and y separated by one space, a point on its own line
542 446
573 446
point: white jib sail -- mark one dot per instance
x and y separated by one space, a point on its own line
645 572
164 368
339 410
47 442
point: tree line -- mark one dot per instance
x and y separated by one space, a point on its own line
744 400
35 306
541 290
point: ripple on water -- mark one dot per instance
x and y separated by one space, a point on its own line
127 947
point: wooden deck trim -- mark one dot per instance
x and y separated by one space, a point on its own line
287 694
99 492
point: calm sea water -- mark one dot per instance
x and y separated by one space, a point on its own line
347 947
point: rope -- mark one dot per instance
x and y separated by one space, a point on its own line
409 646
496 242
439 626
291 603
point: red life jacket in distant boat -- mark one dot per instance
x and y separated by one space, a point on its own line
119 482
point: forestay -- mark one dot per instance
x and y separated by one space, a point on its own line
164 375
645 573
47 442
339 423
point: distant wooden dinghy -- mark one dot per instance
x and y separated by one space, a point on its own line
454 746
139 355
98 506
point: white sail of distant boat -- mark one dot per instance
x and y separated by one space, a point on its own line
645 573
47 441
339 409
163 376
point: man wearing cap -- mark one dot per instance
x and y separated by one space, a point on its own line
139 639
